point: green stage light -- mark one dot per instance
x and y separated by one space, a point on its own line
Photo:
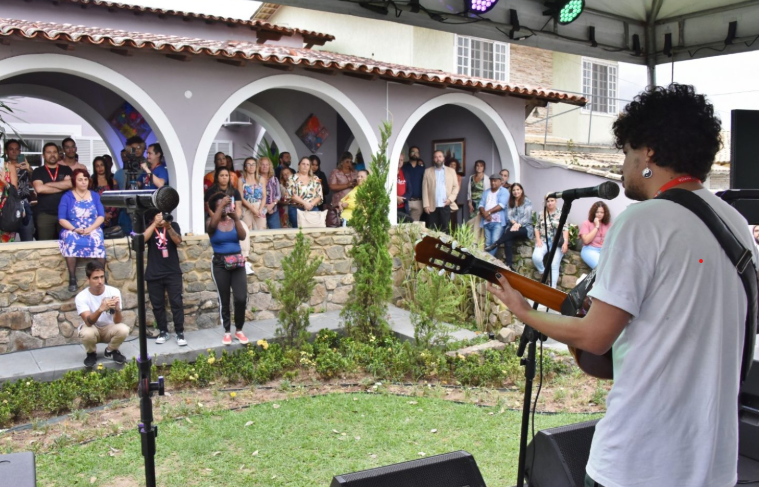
565 11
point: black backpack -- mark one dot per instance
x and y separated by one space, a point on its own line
11 210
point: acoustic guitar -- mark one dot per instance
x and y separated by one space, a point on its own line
446 255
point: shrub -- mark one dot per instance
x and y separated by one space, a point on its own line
436 303
364 313
295 291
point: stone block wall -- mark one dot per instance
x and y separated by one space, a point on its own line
36 309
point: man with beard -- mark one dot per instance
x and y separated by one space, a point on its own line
413 171
440 188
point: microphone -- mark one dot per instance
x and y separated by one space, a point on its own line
164 199
607 191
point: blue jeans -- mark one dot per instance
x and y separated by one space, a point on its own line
493 232
292 214
26 230
537 259
591 255
272 221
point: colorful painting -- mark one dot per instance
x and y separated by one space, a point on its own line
312 133
129 122
453 149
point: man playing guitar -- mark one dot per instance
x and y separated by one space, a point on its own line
669 303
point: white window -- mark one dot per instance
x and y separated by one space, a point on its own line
224 146
482 58
599 84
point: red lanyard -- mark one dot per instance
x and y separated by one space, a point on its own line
677 182
54 178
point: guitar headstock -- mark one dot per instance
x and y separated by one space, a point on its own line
445 255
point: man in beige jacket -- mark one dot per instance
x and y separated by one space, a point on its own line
439 190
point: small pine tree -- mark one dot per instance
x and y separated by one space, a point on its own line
295 291
436 303
364 313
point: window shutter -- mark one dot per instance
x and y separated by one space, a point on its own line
463 55
501 64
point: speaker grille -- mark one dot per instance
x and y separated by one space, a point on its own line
561 455
455 469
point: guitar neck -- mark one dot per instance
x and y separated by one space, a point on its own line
532 290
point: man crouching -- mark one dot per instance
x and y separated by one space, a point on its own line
100 308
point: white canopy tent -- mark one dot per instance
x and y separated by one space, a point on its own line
646 32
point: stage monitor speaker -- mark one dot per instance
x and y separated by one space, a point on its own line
748 433
744 149
560 455
455 469
17 470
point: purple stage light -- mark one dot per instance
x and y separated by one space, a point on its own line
480 6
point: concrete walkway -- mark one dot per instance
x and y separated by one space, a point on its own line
51 363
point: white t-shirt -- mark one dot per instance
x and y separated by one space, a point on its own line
672 414
85 301
492 202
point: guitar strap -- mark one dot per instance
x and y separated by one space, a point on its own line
740 256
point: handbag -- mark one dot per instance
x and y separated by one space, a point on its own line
333 216
12 211
312 219
234 261
113 232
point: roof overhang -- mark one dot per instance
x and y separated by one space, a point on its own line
697 28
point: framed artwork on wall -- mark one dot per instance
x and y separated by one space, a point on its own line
312 133
453 149
128 121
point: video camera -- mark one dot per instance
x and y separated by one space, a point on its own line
132 169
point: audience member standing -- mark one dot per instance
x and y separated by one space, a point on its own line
24 176
305 191
273 193
402 189
505 176
119 175
103 181
477 184
343 178
99 305
164 276
284 202
545 244
492 210
284 162
253 192
593 233
316 165
8 179
155 175
50 181
228 266
414 174
223 185
440 189
70 157
81 214
219 160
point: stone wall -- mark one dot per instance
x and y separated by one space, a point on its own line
36 309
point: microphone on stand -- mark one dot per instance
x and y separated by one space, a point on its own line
607 191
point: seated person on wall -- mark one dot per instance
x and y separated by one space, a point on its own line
225 230
99 306
348 203
593 233
154 173
103 181
305 191
542 247
492 209
342 179
518 225
164 276
81 214
50 181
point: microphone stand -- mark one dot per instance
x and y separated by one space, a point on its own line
528 340
145 388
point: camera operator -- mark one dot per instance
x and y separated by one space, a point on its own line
133 159
154 172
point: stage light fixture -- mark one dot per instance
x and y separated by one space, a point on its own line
380 9
514 20
668 45
592 36
636 45
565 11
480 6
415 6
732 30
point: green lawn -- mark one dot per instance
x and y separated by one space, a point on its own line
297 445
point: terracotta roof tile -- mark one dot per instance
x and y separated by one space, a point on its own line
272 54
254 23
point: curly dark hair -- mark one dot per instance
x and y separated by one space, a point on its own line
679 125
593 209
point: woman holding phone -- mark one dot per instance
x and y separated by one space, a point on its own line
223 185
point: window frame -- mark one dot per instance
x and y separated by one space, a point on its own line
613 96
506 60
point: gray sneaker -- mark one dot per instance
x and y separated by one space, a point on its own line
180 340
162 338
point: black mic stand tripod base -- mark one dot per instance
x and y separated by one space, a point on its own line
528 340
145 388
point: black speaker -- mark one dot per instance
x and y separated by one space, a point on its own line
455 469
17 470
744 149
560 456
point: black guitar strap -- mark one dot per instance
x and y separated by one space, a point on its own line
740 256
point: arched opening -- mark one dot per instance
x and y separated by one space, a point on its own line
453 117
282 104
94 92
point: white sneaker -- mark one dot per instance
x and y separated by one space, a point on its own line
162 338
180 340
249 269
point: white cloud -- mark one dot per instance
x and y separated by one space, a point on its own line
239 9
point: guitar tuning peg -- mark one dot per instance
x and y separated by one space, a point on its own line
454 244
442 271
430 269
464 249
453 276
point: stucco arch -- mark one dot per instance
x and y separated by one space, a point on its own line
504 141
272 126
128 90
89 114
343 105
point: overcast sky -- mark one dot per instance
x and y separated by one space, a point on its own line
729 81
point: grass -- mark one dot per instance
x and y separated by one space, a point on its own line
300 442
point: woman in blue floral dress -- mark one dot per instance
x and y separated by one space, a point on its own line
253 191
81 214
